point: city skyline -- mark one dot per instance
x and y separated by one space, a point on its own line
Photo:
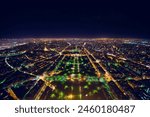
74 50
75 69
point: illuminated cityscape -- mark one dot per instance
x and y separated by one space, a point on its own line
75 69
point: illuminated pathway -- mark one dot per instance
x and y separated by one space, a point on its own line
108 75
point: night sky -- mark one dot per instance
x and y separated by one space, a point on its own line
73 18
